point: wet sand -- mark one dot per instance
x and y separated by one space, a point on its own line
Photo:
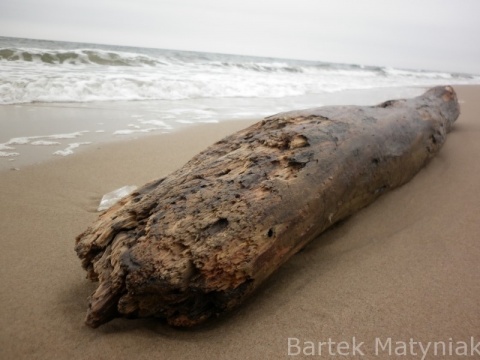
37 132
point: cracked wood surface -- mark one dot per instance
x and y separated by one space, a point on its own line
196 243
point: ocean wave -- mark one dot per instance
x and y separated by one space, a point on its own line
79 57
96 57
260 66
31 74
388 71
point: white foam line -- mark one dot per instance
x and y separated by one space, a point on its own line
66 136
44 143
6 147
209 121
159 123
123 132
27 139
130 131
7 154
69 149
20 140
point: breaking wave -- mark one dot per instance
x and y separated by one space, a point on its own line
77 57
68 72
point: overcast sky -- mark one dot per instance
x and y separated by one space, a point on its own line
428 34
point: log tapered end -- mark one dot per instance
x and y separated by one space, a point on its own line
449 106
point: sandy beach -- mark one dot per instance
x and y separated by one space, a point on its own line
407 267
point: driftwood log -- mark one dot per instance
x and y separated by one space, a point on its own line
197 242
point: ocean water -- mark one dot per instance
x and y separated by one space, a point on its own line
176 88
51 71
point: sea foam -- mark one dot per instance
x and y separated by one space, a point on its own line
68 72
42 140
69 149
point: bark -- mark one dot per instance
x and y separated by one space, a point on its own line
196 243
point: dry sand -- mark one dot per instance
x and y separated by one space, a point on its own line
405 267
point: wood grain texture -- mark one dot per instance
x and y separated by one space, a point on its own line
196 243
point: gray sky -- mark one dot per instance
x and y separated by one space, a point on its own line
428 34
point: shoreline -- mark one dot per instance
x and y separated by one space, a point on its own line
38 132
406 267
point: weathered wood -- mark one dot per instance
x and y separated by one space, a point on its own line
196 243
